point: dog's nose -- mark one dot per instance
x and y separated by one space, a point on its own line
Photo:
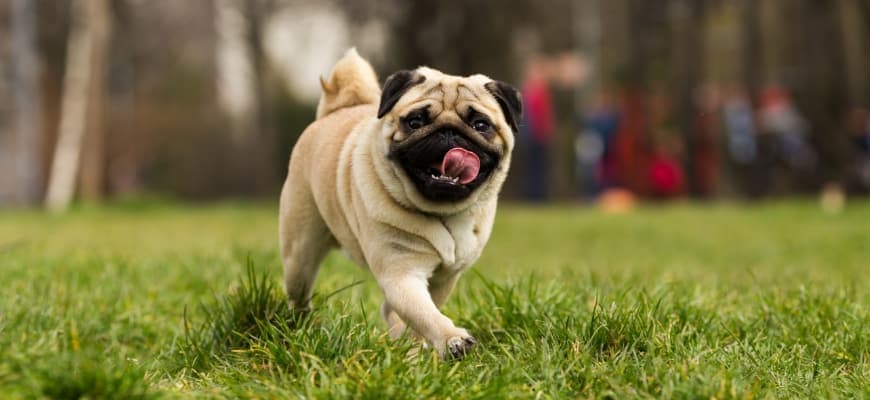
450 135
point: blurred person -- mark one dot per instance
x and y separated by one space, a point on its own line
740 129
782 141
665 173
858 125
588 153
779 116
666 176
538 129
594 145
628 165
741 136
705 150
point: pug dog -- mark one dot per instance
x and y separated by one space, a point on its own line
405 180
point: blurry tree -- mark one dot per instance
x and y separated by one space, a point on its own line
28 102
751 47
53 33
79 132
256 13
689 25
817 53
93 162
855 38
465 37
243 23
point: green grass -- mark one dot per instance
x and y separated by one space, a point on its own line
687 301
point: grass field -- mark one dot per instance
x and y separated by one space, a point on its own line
687 301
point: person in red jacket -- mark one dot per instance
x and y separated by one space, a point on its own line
538 129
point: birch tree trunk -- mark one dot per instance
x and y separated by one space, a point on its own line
88 31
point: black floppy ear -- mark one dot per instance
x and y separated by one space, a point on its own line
509 100
395 86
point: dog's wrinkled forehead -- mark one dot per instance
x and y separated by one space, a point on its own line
406 90
444 92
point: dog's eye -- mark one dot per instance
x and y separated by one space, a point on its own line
481 125
415 122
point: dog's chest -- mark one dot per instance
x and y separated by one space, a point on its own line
467 241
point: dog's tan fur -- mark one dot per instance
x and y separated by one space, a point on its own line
342 190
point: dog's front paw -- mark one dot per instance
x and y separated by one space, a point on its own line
459 346
298 315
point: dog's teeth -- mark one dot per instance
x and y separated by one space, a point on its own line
445 178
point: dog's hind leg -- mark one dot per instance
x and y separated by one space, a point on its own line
395 326
304 239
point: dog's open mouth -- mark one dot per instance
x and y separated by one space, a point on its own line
445 165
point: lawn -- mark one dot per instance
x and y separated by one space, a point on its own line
686 301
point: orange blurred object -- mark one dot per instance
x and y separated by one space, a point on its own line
616 201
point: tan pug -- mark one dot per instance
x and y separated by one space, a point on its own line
405 181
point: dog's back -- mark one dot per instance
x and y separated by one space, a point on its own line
352 82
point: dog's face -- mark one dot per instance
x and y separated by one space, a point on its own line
448 139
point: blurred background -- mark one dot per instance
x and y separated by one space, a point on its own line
625 99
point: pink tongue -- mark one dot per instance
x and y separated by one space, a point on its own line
460 163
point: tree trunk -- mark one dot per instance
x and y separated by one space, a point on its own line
28 165
823 99
93 162
751 49
78 88
691 75
262 140
235 87
854 38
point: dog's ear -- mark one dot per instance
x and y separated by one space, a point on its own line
509 100
395 86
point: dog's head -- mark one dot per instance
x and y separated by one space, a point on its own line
448 139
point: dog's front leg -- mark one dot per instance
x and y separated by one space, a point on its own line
408 296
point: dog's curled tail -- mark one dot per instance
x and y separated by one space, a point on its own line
352 82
